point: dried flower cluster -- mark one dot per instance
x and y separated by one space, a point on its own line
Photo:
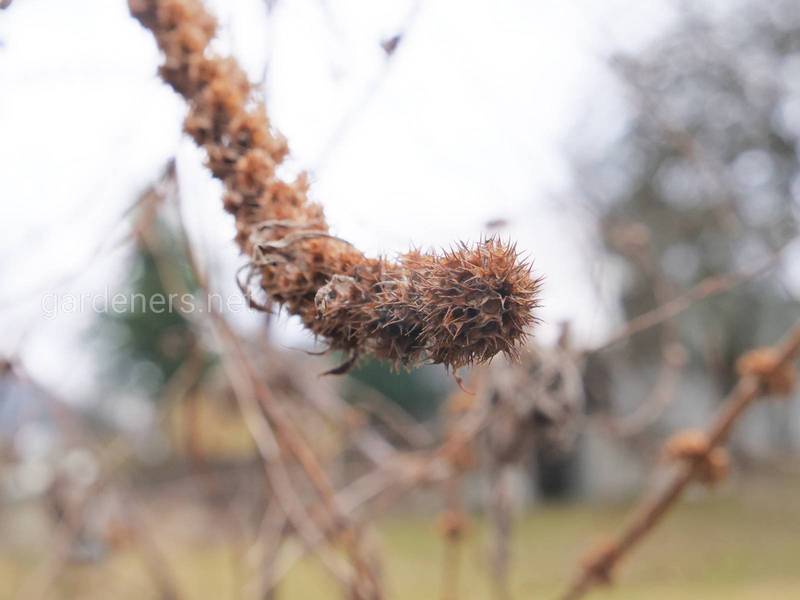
455 308
693 446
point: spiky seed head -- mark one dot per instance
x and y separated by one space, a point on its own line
475 302
456 308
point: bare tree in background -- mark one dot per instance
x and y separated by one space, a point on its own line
704 178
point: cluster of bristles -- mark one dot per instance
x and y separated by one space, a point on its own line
455 308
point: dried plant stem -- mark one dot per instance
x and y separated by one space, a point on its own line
307 526
500 515
750 387
387 483
340 525
304 523
153 558
274 433
455 308
453 529
392 415
272 534
335 523
661 395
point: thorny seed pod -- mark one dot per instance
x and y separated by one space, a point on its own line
456 308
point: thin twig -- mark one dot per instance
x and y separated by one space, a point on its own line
453 526
358 108
501 517
392 480
103 248
749 388
393 415
244 384
659 398
707 288
287 436
154 560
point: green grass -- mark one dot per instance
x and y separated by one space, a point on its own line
736 544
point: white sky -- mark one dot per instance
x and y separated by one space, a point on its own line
467 124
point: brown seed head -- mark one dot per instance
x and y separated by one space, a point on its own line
475 302
456 308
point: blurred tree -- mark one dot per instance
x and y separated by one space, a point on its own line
150 332
704 178
160 337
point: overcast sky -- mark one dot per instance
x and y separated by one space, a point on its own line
465 124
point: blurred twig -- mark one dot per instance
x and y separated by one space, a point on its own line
707 288
270 537
387 483
279 433
751 386
648 412
357 110
453 529
392 415
103 248
68 529
244 383
151 554
500 517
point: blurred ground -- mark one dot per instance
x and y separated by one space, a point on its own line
741 542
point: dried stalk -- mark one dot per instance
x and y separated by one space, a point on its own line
153 558
277 433
401 473
500 518
452 526
453 521
763 372
457 308
271 535
391 414
274 433
673 361
304 523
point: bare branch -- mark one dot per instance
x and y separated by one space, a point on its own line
753 384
